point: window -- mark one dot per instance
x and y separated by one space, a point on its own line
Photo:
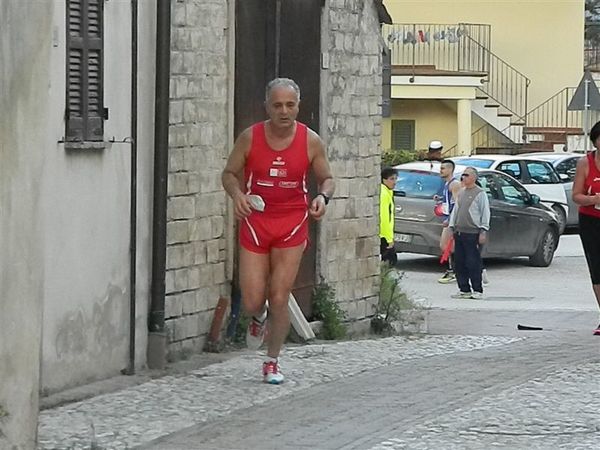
489 185
403 134
474 162
541 172
510 168
568 167
85 110
511 191
418 184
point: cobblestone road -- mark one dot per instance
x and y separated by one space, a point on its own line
556 411
443 401
140 414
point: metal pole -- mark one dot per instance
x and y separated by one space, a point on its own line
156 318
585 114
133 187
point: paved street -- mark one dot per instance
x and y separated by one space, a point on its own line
473 382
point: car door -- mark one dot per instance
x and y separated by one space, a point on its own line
498 239
522 221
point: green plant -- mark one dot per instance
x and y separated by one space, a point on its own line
328 311
390 157
392 301
239 337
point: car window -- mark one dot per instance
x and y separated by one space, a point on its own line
511 168
489 185
512 192
541 172
567 167
474 162
413 183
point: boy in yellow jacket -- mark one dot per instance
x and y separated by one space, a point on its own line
386 215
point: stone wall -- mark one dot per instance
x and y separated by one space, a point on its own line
198 230
198 146
349 258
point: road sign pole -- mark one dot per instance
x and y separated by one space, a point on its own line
586 107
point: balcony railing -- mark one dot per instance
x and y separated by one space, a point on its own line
459 48
445 47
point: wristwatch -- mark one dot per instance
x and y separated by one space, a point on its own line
324 198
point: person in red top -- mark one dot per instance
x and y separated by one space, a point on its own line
586 193
266 176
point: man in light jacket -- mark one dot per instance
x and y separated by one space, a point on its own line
469 223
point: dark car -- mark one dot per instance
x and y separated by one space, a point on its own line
520 225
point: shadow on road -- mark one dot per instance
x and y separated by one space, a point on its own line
431 264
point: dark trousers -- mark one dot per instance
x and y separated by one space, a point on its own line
388 254
467 261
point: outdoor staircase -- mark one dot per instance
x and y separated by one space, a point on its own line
551 126
501 101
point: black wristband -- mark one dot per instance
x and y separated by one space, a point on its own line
324 198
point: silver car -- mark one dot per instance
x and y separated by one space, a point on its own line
520 225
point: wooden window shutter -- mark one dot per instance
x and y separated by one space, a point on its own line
403 134
85 109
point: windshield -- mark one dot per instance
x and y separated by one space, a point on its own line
474 162
415 183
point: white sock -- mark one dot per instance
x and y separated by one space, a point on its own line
271 359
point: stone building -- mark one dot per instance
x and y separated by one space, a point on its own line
90 257
344 91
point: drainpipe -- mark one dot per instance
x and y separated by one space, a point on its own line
157 339
133 187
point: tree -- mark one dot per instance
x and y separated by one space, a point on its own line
592 23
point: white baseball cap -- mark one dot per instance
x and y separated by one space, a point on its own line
435 145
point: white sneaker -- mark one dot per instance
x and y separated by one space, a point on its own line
272 373
484 278
461 294
477 295
255 333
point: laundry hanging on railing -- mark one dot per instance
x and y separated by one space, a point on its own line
413 36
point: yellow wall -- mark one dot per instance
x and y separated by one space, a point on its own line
541 38
434 119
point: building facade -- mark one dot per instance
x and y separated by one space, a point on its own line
77 154
507 50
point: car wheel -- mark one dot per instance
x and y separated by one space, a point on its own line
545 252
562 218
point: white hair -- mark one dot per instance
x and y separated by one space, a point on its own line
281 82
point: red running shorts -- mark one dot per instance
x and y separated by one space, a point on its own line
260 232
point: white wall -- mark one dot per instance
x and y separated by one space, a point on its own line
85 197
25 54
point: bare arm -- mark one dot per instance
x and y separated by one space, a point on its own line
322 171
232 176
455 188
579 195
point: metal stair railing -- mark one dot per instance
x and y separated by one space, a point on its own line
490 137
505 85
551 117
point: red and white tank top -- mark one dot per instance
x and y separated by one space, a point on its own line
591 185
278 176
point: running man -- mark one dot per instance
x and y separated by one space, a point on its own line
448 198
266 176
